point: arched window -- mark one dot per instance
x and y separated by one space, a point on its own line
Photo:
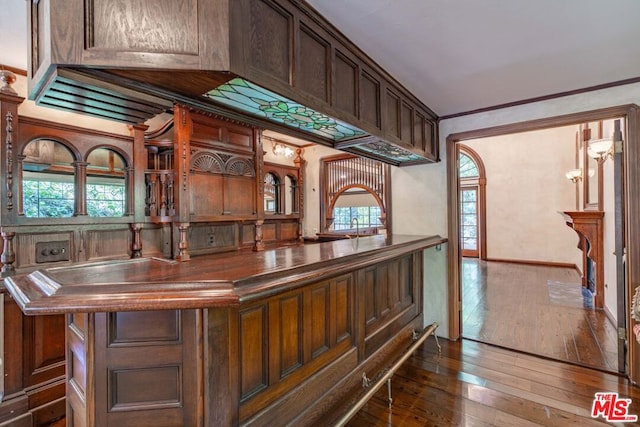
472 202
356 203
271 193
106 190
48 180
468 167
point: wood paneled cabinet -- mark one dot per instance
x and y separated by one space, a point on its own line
32 389
130 61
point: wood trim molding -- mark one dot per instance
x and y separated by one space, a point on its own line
542 98
534 262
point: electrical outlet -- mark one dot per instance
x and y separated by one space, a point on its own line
211 239
52 251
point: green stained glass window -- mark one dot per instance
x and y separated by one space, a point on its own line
467 167
389 151
246 96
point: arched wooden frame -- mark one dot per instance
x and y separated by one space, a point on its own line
129 181
295 194
630 197
75 163
327 201
479 182
277 182
332 203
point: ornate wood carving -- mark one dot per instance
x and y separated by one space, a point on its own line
222 163
183 244
9 157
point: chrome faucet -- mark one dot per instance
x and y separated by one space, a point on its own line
355 220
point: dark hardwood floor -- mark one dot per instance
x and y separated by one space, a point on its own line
535 309
476 384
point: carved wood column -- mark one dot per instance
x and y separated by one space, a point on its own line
183 244
9 101
182 185
301 164
259 162
136 247
138 192
8 257
81 188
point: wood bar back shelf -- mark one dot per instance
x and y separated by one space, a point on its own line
261 338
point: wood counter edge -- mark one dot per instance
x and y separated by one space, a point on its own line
38 294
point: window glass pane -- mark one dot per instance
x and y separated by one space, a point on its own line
270 193
467 167
106 193
469 208
48 189
470 244
47 199
469 195
105 200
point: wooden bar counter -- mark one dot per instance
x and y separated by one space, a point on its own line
245 338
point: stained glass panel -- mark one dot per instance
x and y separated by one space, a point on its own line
246 96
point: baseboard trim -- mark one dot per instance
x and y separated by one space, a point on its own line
610 317
540 263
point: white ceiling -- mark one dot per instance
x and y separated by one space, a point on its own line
461 55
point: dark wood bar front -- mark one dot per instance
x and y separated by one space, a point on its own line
260 338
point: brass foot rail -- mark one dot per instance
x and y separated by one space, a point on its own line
374 385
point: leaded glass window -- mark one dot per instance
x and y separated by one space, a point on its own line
467 168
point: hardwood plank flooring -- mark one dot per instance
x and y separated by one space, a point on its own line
535 309
476 384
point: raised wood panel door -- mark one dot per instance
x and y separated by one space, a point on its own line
146 368
44 348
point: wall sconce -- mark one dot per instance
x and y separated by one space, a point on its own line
574 175
280 149
600 149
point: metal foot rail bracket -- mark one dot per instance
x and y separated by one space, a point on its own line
374 385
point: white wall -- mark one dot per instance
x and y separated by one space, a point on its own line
526 189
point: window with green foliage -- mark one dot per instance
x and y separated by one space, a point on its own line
105 200
368 216
48 189
48 186
106 193
47 199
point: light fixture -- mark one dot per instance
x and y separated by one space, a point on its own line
600 149
280 149
574 175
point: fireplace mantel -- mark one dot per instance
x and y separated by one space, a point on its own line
588 226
